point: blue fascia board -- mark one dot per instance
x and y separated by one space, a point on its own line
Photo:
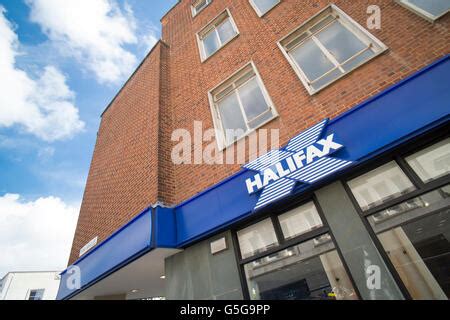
131 240
164 228
403 111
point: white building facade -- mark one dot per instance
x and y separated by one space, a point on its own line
29 285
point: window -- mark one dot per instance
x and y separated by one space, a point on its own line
380 185
433 162
263 6
240 105
327 47
278 268
413 230
429 9
216 34
300 221
199 6
416 237
257 238
36 294
311 270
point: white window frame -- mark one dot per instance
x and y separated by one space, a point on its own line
218 126
419 11
258 12
211 26
361 33
195 12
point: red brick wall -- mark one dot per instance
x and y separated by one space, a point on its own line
123 178
131 167
413 43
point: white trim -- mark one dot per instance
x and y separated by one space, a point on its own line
211 25
258 12
354 27
218 126
194 11
419 11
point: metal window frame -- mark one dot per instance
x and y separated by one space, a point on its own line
195 12
284 243
258 11
356 29
30 291
398 155
211 26
419 11
217 121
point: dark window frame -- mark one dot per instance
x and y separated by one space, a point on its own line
399 155
36 293
283 243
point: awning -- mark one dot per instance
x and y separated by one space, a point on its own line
130 263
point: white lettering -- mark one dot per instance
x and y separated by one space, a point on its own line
255 183
281 171
328 144
269 176
312 153
294 163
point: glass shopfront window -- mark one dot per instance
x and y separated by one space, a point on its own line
300 220
257 238
280 269
380 185
433 162
309 271
416 236
414 233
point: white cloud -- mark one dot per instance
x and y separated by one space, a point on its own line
43 106
95 32
148 38
35 235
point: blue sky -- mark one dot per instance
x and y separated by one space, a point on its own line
65 61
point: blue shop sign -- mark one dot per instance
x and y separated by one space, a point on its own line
306 159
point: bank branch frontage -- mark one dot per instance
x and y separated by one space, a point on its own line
355 207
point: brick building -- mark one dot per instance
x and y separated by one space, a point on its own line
377 71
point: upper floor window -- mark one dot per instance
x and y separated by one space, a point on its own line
216 34
263 6
240 106
199 5
36 294
429 9
327 47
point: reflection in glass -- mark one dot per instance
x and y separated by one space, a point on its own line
434 7
218 36
432 162
331 51
342 43
300 221
311 60
226 31
265 5
230 113
257 238
309 271
252 99
211 43
380 185
416 236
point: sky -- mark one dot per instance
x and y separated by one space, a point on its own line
61 63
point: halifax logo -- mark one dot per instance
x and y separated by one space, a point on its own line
305 159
